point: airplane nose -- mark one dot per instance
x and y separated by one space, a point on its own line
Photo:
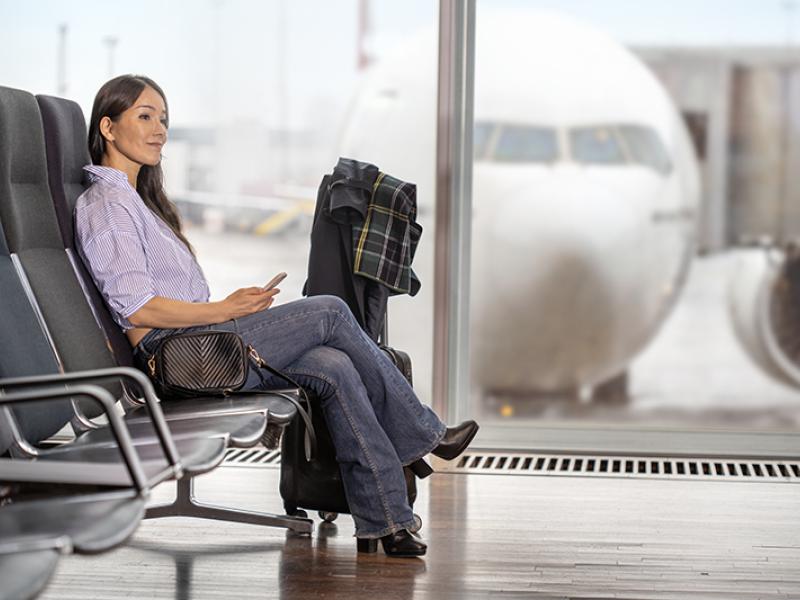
557 272
595 225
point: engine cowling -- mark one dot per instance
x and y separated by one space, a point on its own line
765 310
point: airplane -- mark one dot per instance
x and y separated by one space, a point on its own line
763 306
585 196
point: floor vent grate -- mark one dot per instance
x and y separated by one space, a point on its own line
647 467
252 457
570 465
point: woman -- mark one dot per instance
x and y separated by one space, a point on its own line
129 235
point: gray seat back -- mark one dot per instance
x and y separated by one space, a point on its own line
24 351
29 222
67 154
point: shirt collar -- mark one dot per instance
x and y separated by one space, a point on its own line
108 174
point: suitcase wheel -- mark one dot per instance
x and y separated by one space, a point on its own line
297 512
328 517
417 524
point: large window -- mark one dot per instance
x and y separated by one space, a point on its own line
628 158
615 302
264 96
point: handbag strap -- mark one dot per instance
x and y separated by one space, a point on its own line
310 440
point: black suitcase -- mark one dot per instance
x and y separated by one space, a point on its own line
317 484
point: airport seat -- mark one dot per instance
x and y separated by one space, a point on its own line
200 443
66 148
67 153
26 568
92 522
27 563
66 156
38 252
33 238
30 357
28 354
37 526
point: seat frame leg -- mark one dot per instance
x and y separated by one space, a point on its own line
187 505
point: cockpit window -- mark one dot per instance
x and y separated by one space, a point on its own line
645 147
595 145
600 144
523 143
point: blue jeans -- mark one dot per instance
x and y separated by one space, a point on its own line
376 421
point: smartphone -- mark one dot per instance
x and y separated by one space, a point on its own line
274 281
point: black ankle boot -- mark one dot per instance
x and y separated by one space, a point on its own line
455 440
411 485
400 544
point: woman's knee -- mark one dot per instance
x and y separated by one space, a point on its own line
332 304
330 363
337 365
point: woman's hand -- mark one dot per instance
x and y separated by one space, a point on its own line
168 313
246 301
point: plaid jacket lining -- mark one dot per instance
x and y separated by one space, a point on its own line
385 243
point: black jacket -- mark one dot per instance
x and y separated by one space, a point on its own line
330 261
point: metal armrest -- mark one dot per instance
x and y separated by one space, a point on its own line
151 400
105 399
287 394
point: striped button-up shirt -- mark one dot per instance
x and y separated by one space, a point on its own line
131 253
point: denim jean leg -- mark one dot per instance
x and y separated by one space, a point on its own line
371 471
413 427
377 422
282 334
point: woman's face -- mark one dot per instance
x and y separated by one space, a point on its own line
140 132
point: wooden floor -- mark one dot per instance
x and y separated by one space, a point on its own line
489 537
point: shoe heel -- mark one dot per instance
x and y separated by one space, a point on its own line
421 468
367 546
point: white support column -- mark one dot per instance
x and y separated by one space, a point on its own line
453 206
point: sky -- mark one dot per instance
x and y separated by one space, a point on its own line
293 61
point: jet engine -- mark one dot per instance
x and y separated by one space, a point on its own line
765 310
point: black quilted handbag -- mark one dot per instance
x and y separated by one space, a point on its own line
202 363
215 363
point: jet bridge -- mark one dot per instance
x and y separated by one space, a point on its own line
743 111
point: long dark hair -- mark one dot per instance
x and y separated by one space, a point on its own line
115 97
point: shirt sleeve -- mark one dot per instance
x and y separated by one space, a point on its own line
118 264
